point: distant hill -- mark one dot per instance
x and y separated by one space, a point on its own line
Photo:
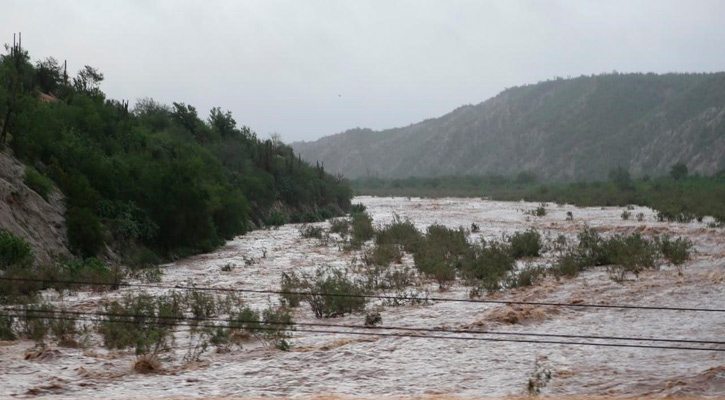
565 129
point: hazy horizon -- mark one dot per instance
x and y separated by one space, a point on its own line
312 70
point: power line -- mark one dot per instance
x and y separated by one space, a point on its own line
348 326
444 337
367 296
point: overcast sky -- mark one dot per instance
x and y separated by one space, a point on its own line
309 68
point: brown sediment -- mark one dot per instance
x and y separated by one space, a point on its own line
41 354
332 345
519 314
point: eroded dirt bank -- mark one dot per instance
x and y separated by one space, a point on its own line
346 366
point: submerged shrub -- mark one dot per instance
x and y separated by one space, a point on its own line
330 292
333 294
675 251
440 253
539 211
383 255
341 226
362 228
569 264
310 231
290 286
399 232
142 321
373 319
488 264
35 320
630 254
527 276
525 244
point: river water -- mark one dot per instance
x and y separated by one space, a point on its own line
369 366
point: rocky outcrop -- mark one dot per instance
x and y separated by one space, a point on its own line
26 214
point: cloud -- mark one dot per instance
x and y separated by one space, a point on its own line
313 68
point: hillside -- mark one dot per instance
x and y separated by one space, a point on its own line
565 129
152 179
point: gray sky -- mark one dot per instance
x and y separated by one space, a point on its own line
310 68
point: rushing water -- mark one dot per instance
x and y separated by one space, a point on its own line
362 366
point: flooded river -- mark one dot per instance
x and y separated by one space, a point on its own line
373 367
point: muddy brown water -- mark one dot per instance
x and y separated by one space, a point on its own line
346 366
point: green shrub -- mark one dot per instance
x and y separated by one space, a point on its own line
331 281
675 251
383 255
592 248
525 244
383 278
401 233
362 228
625 215
85 235
275 327
35 320
276 219
358 208
64 329
440 253
144 258
488 264
630 254
290 287
325 213
142 321
14 251
329 292
569 264
527 276
539 211
6 328
38 182
90 270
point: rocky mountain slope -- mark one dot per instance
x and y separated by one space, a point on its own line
26 214
564 129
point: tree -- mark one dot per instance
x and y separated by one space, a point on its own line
621 178
678 171
88 81
48 75
223 122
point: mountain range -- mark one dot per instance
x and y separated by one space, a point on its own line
561 130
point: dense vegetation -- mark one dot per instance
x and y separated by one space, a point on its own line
448 255
564 129
677 197
156 176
